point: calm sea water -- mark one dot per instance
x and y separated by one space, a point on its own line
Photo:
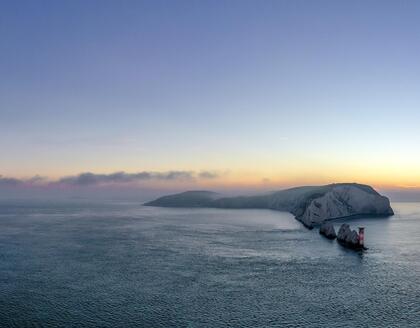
123 265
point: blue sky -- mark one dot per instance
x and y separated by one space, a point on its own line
277 92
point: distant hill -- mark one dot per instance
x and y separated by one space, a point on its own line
196 198
311 205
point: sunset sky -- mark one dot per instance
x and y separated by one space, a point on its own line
210 94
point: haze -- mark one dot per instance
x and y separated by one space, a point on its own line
222 95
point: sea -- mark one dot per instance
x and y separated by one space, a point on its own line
79 263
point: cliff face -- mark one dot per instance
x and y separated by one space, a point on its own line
342 201
311 205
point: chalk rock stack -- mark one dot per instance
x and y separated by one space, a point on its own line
348 237
327 229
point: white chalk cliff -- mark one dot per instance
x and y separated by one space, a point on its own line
312 205
343 201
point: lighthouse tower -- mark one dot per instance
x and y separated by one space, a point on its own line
361 236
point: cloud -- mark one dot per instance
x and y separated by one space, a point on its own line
37 179
9 182
88 178
208 175
95 179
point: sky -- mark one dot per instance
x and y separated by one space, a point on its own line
241 95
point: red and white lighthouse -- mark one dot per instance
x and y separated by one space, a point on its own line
361 236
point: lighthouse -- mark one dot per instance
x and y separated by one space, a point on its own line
361 236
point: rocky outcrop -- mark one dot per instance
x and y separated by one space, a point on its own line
327 230
344 201
311 205
197 198
348 237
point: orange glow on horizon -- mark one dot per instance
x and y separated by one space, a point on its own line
269 179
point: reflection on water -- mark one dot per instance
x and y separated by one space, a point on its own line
124 265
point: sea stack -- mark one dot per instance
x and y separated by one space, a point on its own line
348 238
327 230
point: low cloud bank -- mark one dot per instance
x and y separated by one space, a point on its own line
88 179
150 184
402 194
118 178
9 182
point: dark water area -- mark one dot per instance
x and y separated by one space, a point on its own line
114 264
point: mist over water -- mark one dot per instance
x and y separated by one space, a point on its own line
119 264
